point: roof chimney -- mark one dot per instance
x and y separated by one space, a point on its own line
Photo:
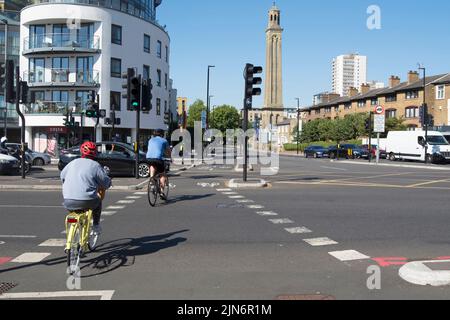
365 87
352 92
413 76
394 81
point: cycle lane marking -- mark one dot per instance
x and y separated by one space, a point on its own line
298 230
318 242
53 243
281 221
348 255
104 295
31 257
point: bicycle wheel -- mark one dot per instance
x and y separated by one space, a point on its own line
152 191
166 189
93 238
74 253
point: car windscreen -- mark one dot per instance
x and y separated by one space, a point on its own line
437 141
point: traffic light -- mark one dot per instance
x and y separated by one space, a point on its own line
367 124
23 92
167 118
424 116
93 109
66 120
250 82
7 75
126 94
147 95
135 90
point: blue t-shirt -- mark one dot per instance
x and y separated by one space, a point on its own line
157 147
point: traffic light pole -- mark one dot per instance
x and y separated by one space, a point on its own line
138 128
370 137
22 117
245 127
81 127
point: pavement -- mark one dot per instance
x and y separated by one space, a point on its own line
321 228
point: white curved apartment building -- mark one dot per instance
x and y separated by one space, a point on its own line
71 47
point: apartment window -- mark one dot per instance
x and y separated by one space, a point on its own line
85 72
61 35
361 103
440 92
167 54
374 102
37 96
116 34
37 36
60 69
158 106
146 72
82 99
36 70
391 98
85 35
348 106
146 43
412 112
391 113
165 106
158 83
412 127
116 68
412 95
165 80
115 100
159 49
60 97
327 109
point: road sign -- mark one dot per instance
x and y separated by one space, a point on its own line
379 123
203 119
379 110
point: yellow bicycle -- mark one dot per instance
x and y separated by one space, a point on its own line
80 236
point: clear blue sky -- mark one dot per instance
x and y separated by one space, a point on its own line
230 33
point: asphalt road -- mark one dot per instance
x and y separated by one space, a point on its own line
212 243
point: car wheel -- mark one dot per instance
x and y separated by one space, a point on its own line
315 156
306 155
144 170
60 166
430 158
392 157
38 162
332 155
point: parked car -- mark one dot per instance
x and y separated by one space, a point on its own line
410 145
37 159
118 157
8 164
347 151
365 147
316 152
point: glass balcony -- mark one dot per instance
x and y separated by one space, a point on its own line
62 77
55 107
61 41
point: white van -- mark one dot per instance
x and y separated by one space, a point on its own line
410 145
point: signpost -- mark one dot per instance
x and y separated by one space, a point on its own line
204 115
379 126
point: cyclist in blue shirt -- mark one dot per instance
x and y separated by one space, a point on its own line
158 149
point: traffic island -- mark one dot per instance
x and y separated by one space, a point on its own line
249 184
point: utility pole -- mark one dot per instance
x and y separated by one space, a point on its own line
298 125
425 112
22 117
370 136
207 98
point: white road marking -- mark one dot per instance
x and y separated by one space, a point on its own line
64 232
140 193
236 197
133 197
31 257
28 206
255 206
2 242
281 221
229 193
53 243
349 255
334 168
115 208
223 190
318 242
17 236
126 201
245 201
108 213
420 273
104 295
299 230
267 213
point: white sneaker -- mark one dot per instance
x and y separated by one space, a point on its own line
97 229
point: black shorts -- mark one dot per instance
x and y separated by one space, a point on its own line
158 164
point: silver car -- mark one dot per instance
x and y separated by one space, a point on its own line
37 159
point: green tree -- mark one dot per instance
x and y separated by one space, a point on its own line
394 124
225 117
195 112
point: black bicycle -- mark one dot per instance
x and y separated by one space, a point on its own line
154 190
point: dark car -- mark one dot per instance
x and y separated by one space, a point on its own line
316 152
118 157
347 151
365 147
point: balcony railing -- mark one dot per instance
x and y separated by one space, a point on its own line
63 76
55 107
61 41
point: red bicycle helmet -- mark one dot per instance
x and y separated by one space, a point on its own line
88 150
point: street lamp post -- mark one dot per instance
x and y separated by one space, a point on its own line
209 104
298 125
207 97
5 110
425 112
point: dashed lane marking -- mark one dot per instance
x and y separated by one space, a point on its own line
108 213
299 230
348 255
2 242
255 206
223 190
267 213
133 197
17 236
318 242
126 201
236 197
53 243
140 193
229 193
115 208
281 221
31 257
245 201
104 295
